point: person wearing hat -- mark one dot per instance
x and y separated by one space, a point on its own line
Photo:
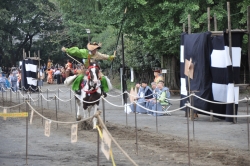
49 64
91 54
144 94
157 74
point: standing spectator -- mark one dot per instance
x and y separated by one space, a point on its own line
158 76
63 73
2 82
19 79
13 81
50 76
41 73
68 68
58 76
49 64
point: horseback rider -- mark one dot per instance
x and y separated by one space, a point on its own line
91 54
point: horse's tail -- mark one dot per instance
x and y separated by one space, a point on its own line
109 83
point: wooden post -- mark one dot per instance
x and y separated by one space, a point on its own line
248 30
230 45
215 22
189 24
211 116
229 30
23 54
208 19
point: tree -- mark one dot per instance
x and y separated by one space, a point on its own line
22 22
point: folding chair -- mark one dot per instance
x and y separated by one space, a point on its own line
166 106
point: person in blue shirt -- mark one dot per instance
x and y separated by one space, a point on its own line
162 93
144 94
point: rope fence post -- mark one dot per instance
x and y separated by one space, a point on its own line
156 115
47 98
247 124
58 99
192 100
2 95
38 98
211 116
19 99
103 108
10 97
27 110
98 148
42 107
188 111
136 136
76 108
70 101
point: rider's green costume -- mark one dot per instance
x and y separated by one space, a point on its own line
84 54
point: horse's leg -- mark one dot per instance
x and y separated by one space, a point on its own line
89 110
78 117
95 119
84 111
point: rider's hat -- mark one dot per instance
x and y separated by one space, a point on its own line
93 46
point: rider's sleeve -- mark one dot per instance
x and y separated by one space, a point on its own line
76 52
100 56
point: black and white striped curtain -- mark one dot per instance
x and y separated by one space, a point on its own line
219 72
197 47
226 73
29 73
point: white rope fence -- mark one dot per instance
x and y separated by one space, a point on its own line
28 96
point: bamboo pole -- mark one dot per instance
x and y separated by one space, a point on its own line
230 46
215 22
248 30
208 19
189 24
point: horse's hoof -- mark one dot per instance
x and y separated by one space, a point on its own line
78 118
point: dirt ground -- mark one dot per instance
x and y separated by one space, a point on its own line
211 144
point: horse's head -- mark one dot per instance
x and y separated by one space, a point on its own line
93 74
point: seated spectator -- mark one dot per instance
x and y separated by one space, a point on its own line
144 94
159 99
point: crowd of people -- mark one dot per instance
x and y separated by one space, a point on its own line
152 98
10 77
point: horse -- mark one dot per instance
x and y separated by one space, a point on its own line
90 93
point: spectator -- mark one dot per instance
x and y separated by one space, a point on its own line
50 76
13 81
161 95
2 82
63 74
58 76
68 68
158 76
144 94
